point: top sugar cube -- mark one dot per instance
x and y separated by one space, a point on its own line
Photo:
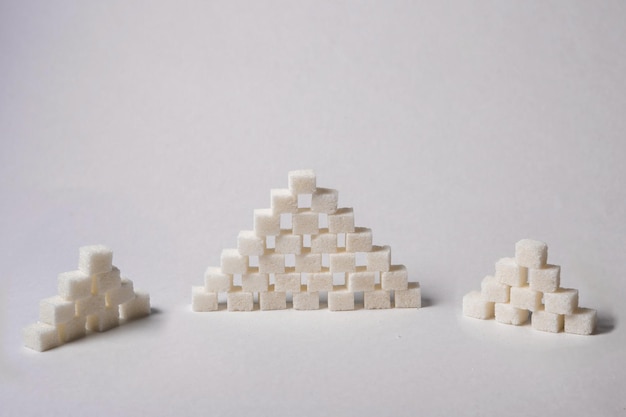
531 253
95 259
302 181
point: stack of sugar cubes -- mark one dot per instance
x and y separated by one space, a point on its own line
527 286
316 248
95 297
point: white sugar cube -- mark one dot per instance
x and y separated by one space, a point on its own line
90 305
304 300
379 259
73 285
302 181
510 273
531 253
283 201
249 244
397 278
342 262
272 263
324 200
72 330
341 221
361 281
217 281
256 282
562 301
409 298
232 262
305 222
56 310
321 281
136 308
41 337
272 300
203 300
104 320
288 243
474 305
546 322
106 281
360 240
493 290
525 298
238 300
340 299
120 295
266 223
308 262
377 299
507 314
324 242
582 321
288 282
546 279
95 259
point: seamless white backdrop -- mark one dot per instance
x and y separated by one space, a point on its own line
454 130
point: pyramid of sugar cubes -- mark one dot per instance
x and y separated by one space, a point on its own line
301 247
94 297
527 287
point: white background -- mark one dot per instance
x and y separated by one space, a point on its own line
454 130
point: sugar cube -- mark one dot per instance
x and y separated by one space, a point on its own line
342 262
562 301
73 285
361 281
525 298
340 299
249 244
324 242
283 201
546 322
105 281
324 200
90 305
409 298
377 299
232 262
56 310
202 300
397 278
474 305
510 273
72 330
273 300
238 300
342 221
137 307
308 262
322 281
272 263
288 243
41 337
546 279
531 253
379 259
266 223
288 282
360 240
120 295
95 259
255 282
304 300
302 181
104 320
305 222
582 321
493 290
507 314
217 281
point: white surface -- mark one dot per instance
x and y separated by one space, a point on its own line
454 130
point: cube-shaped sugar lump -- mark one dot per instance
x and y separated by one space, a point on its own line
95 259
324 200
136 308
238 300
305 222
562 301
546 279
304 300
106 281
232 262
322 281
256 282
272 300
340 299
361 281
203 300
360 240
324 242
272 263
56 310
546 322
308 262
342 262
217 281
283 201
474 305
288 282
302 181
409 298
493 290
531 253
341 221
377 299
288 243
104 320
379 259
582 321
120 295
72 330
249 244
397 278
73 285
510 273
41 337
266 223
90 305
525 298
507 314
